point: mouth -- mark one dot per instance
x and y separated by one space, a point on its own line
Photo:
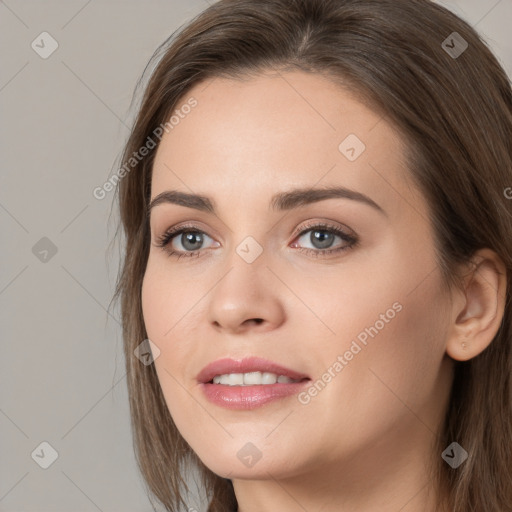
253 379
249 383
250 371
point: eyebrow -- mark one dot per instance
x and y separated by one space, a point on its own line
289 200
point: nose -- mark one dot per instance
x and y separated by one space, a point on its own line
246 297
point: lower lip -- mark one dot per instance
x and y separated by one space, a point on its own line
250 397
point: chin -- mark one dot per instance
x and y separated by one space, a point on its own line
240 464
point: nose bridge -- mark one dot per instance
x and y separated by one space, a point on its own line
249 236
247 276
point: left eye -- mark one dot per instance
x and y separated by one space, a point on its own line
323 238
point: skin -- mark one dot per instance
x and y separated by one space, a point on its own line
364 442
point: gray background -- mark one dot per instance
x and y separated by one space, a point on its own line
63 122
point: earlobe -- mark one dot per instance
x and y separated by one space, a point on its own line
478 310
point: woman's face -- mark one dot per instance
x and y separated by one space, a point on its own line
362 314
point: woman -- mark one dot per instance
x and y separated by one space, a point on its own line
318 261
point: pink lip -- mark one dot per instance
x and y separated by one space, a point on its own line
246 365
248 397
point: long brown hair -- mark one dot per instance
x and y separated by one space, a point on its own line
451 101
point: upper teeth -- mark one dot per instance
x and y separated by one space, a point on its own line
251 378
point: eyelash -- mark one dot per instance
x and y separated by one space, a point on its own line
171 233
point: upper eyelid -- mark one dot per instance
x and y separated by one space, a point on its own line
309 225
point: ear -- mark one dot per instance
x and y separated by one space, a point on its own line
477 311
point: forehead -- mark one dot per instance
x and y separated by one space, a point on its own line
253 137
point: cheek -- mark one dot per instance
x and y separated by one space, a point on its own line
154 304
388 321
161 312
167 300
401 336
166 308
391 372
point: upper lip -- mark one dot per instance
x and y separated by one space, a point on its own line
246 365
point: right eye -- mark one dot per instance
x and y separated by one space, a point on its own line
187 236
